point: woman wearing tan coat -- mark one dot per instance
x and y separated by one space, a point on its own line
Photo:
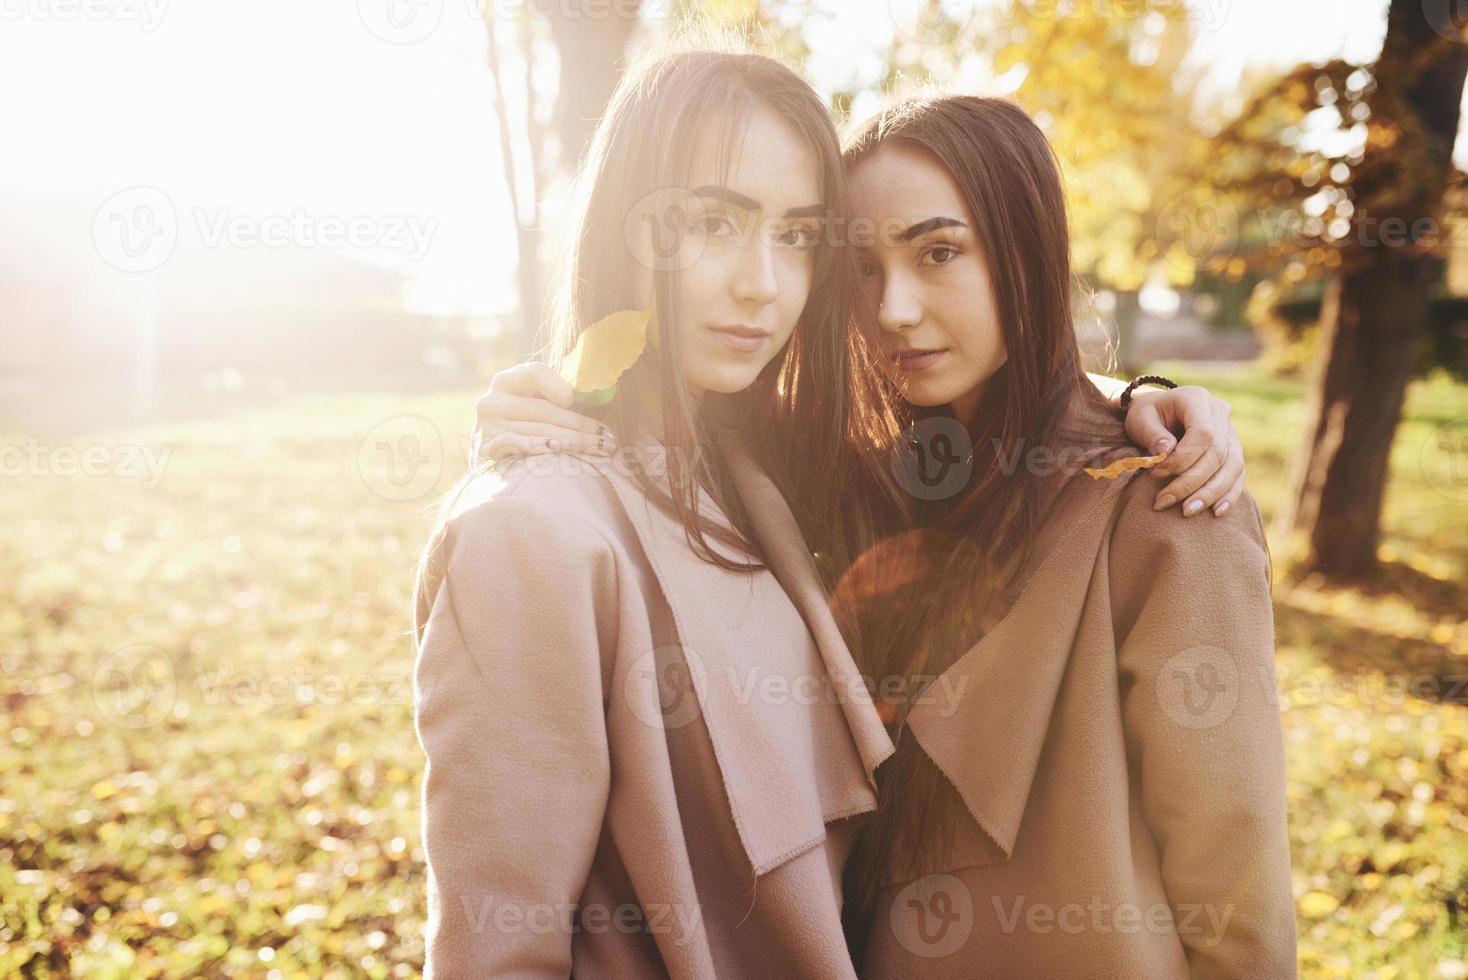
1112 774
1105 794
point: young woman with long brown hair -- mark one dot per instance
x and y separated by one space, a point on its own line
616 784
1107 797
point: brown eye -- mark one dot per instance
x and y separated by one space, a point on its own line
800 237
714 224
941 254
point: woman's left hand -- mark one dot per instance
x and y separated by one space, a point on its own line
1206 469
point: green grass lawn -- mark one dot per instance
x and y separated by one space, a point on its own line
207 761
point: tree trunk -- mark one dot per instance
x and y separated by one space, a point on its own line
591 49
1376 308
1128 312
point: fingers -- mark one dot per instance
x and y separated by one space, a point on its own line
1236 454
1145 426
1230 498
1198 416
1194 462
513 445
565 440
533 380
502 412
1198 456
1213 491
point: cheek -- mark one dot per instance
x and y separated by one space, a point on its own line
991 335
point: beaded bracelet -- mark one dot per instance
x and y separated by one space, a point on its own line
1146 379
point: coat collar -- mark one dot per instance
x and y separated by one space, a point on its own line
988 741
794 567
788 768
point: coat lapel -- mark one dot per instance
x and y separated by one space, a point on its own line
786 773
988 738
793 566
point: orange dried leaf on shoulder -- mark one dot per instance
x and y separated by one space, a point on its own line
603 352
1120 466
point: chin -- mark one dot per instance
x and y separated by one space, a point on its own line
728 381
924 394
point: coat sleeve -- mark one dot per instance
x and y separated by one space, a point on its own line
1195 634
516 611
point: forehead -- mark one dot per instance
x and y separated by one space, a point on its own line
763 158
904 182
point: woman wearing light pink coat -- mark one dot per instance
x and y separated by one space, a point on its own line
644 742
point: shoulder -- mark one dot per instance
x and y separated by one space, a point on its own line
1208 552
558 502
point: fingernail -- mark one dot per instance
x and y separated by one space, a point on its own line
601 444
549 444
1221 509
603 432
1161 446
1192 507
1165 501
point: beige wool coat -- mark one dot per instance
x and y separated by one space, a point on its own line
638 764
1115 737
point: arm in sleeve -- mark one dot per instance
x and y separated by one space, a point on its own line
1195 634
515 622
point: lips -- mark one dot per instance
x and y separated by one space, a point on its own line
741 338
917 358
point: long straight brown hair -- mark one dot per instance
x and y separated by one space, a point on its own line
800 419
643 147
918 602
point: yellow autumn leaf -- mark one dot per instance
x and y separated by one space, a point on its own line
1121 466
606 349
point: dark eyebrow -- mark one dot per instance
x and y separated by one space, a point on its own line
923 227
750 204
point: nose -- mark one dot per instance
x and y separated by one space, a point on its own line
755 282
899 308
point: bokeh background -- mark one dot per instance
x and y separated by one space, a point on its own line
257 260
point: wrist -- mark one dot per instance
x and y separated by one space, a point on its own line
1137 382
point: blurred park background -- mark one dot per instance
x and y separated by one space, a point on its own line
256 261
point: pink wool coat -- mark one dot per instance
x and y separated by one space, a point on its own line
638 764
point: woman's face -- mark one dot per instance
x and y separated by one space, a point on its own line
930 305
748 240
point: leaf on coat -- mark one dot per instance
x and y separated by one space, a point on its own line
1121 466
